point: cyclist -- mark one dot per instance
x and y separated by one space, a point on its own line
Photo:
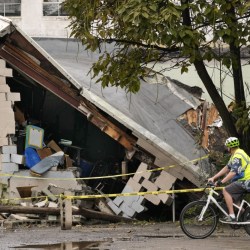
237 171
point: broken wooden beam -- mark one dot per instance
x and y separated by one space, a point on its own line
87 213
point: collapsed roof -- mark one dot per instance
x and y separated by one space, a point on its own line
146 122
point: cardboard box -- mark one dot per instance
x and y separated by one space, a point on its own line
68 161
44 152
52 144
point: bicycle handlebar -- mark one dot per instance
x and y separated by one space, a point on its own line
210 184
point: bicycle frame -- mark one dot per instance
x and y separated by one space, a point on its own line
210 199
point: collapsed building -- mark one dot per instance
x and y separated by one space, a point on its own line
109 132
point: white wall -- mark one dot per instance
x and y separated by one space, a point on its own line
35 24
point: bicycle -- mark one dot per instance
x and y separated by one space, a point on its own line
199 219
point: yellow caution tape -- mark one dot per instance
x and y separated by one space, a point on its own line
103 177
97 196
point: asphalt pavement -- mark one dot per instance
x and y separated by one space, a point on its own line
140 235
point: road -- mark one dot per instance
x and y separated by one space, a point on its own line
140 235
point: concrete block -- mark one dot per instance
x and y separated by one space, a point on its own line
49 194
165 180
137 207
127 210
164 197
114 208
6 72
2 80
153 199
150 186
3 141
6 105
7 128
4 179
130 199
4 88
19 159
9 167
3 97
118 200
14 97
4 157
41 203
52 218
135 186
7 114
10 149
2 63
141 172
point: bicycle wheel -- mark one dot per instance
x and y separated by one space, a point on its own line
246 218
190 224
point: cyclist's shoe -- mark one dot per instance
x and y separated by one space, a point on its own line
228 219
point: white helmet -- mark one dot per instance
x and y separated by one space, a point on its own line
232 142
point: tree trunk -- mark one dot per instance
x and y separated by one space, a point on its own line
208 83
216 98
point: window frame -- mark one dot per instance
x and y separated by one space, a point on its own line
59 8
9 14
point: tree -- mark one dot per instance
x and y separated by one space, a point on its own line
146 31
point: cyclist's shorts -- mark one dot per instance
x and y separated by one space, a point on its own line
236 190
